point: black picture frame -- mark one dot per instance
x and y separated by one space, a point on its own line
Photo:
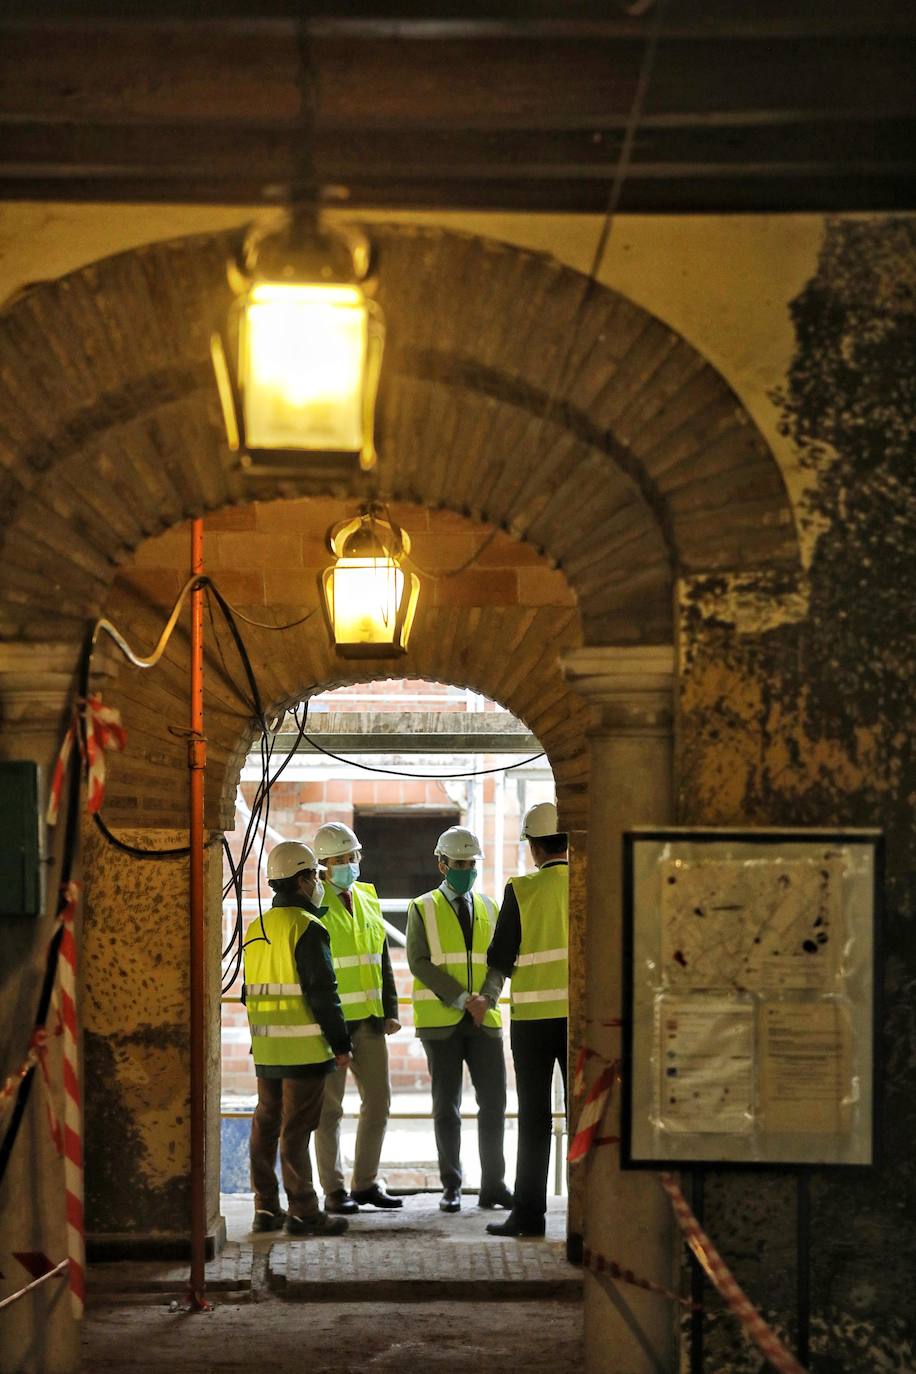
767 839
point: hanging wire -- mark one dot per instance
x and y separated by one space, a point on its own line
429 777
621 169
258 820
138 660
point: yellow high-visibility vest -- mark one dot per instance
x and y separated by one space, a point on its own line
283 1029
449 952
540 979
357 942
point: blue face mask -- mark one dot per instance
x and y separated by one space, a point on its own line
461 880
343 875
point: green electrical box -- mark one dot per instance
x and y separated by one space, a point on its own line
21 891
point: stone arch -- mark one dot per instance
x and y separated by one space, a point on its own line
648 467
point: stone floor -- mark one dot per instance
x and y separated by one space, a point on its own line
400 1288
280 1337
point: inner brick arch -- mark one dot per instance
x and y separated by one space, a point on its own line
649 467
498 630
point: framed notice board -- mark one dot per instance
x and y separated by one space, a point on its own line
750 1005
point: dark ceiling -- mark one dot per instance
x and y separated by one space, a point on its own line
751 105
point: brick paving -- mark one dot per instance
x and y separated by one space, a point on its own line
415 1254
229 1272
381 1270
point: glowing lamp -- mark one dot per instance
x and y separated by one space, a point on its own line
298 364
369 599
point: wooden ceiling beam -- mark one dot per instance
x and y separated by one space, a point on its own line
411 154
138 75
436 18
470 106
707 192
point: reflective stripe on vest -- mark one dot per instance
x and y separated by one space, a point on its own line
448 951
283 1028
357 942
540 979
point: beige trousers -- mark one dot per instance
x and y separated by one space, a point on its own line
370 1069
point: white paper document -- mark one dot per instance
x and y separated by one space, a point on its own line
706 1069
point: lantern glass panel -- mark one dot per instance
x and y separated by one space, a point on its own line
302 359
365 600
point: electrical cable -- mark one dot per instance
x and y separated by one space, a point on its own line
258 819
137 659
634 115
263 624
135 851
429 777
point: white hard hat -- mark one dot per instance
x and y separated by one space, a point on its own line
334 838
540 820
289 858
458 843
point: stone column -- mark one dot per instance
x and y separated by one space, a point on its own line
626 1215
39 1334
136 1032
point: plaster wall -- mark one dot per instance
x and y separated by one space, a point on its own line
136 1038
805 717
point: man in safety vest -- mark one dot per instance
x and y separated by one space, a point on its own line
369 997
530 947
298 1037
448 931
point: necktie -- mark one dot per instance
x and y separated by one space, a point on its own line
464 919
347 900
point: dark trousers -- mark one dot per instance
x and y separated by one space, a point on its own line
288 1110
536 1047
483 1054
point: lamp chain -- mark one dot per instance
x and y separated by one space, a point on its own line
304 189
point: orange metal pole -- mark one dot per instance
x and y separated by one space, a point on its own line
197 760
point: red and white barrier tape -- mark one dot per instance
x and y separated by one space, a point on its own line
600 1264
725 1282
73 1126
718 1272
593 1112
35 1054
67 1140
103 731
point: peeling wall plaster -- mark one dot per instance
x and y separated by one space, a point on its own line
803 715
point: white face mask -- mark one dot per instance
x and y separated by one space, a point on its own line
317 892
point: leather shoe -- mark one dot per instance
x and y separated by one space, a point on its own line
318 1225
450 1201
514 1225
267 1221
375 1197
496 1197
340 1203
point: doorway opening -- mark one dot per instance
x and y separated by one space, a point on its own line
398 761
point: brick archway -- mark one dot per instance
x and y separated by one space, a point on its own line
649 467
110 436
110 429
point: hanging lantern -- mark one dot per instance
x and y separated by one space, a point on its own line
369 599
298 363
